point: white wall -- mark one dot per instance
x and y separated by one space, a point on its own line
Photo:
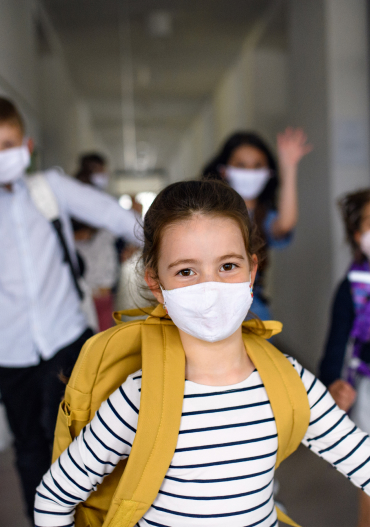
319 82
18 75
39 83
328 96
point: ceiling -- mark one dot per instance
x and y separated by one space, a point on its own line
180 49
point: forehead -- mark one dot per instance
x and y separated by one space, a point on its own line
202 235
248 153
10 131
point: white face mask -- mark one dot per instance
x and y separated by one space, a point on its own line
365 244
247 182
210 311
13 163
100 179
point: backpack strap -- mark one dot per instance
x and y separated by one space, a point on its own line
46 203
155 442
288 399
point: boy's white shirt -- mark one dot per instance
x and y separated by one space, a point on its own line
39 307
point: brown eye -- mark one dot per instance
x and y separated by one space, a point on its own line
185 272
228 267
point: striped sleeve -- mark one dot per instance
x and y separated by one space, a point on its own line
90 457
332 435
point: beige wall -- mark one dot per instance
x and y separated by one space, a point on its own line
40 85
319 80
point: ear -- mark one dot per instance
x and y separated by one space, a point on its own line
153 286
254 268
222 171
357 237
30 144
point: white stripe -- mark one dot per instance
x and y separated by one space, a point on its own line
362 277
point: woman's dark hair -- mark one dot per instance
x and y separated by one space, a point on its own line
87 165
267 198
10 114
180 201
352 207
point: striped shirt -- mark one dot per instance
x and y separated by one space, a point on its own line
222 471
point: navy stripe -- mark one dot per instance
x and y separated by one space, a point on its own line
55 513
149 522
351 452
76 464
118 417
319 399
45 497
138 377
97 473
220 480
312 385
71 479
227 462
102 461
323 415
208 498
105 446
227 392
69 525
220 515
302 372
329 430
366 483
61 488
223 427
222 445
358 468
128 400
57 495
228 409
339 441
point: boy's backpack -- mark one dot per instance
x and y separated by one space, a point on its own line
46 203
154 345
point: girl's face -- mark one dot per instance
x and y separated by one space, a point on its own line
247 156
365 223
202 249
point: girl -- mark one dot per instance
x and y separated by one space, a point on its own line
350 326
199 260
248 165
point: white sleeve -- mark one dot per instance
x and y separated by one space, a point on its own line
332 435
94 207
89 458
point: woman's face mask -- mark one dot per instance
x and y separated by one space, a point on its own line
209 311
13 163
249 183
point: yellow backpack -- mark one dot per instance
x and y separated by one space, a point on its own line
154 345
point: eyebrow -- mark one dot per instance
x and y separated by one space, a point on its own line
181 262
192 261
232 255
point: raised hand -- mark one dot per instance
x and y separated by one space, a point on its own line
292 146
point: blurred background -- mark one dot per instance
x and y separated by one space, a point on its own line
157 86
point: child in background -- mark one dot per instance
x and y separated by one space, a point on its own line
347 374
268 187
97 247
199 259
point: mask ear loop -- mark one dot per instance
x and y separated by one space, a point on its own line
250 285
164 303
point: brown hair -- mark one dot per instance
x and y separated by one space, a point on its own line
352 206
9 114
180 201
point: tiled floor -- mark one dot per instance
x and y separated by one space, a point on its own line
315 494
